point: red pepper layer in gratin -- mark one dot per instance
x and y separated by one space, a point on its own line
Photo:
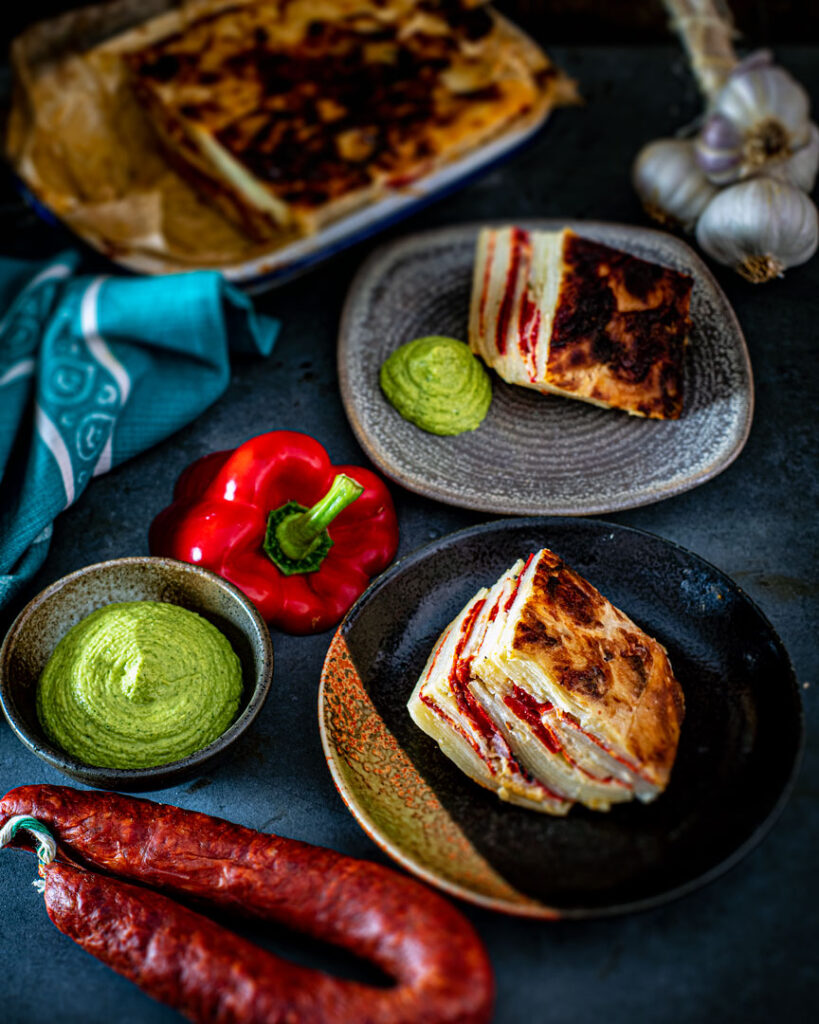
290 113
544 692
566 315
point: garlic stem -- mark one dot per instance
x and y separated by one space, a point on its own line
706 30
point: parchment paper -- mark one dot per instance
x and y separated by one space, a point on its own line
83 145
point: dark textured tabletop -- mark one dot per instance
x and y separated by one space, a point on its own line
741 949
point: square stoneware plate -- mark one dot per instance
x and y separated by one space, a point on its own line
737 756
536 453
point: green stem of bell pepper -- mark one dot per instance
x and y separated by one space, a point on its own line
297 540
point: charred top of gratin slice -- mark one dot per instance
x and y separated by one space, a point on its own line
620 329
320 98
610 666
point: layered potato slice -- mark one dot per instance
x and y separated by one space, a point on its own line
443 705
579 700
567 315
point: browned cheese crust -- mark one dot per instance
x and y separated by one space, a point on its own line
620 330
609 666
323 111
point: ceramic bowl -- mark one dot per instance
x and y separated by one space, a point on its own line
48 617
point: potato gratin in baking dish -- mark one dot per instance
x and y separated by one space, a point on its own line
218 130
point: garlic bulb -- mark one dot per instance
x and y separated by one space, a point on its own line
800 169
761 115
672 189
759 227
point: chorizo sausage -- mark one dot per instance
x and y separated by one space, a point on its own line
441 970
188 961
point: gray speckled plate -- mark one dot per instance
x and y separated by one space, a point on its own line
534 453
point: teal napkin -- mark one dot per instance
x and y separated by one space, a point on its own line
95 370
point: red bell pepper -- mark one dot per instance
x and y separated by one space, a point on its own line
299 536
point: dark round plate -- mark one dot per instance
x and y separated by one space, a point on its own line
738 753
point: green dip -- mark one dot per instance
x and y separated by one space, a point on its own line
437 384
139 684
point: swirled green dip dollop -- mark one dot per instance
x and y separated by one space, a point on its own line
139 684
437 384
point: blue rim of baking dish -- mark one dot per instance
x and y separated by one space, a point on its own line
456 175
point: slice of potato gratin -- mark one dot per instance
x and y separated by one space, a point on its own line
566 315
544 692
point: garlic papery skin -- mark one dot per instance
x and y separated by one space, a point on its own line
718 150
760 227
672 189
760 116
801 168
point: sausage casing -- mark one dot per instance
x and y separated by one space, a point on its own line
439 964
